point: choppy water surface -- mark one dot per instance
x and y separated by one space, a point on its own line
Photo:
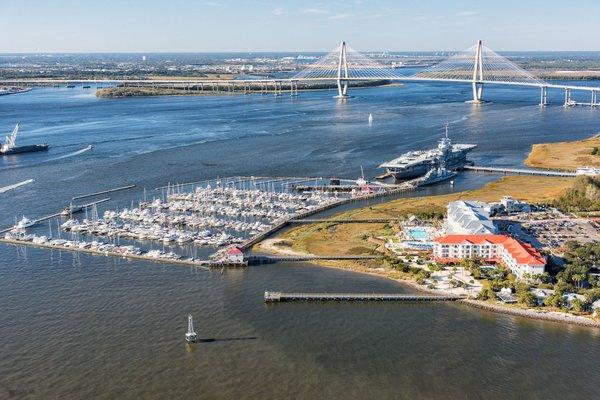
74 326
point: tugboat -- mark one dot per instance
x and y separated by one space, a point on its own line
10 146
191 336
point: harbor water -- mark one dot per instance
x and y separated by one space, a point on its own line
76 325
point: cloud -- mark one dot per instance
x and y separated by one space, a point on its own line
318 11
467 14
339 16
464 15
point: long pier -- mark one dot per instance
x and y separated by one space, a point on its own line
519 171
277 297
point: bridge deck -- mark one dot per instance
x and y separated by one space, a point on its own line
47 81
281 297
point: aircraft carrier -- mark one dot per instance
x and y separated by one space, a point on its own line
417 163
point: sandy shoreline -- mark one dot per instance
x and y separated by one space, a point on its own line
551 316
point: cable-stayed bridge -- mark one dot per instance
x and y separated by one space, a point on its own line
478 66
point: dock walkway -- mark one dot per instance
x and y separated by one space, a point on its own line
274 297
209 264
406 187
344 221
254 260
520 171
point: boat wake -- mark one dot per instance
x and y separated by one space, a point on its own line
14 186
75 153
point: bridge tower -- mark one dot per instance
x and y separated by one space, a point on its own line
342 73
544 96
477 81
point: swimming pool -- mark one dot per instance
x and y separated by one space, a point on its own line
420 234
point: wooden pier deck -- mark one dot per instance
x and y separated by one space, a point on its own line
276 297
344 221
256 260
520 171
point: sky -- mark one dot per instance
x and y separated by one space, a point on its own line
34 26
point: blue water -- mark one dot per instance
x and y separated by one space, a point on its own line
75 326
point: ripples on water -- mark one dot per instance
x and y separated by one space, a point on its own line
75 326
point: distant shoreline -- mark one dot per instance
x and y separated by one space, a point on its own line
207 90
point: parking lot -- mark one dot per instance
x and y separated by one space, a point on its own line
550 229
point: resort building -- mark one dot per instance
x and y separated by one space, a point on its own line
469 217
520 257
511 205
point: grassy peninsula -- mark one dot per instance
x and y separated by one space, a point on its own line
566 155
354 239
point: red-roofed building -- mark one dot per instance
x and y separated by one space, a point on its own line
235 255
520 257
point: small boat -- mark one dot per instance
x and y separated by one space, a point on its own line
370 119
10 146
191 336
70 210
24 223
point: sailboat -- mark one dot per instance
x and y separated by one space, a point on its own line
10 145
191 336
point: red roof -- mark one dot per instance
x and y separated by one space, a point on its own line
522 252
234 251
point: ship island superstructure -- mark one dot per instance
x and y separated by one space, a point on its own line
417 163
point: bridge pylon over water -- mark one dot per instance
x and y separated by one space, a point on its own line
345 64
479 64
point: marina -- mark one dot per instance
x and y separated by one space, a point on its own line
211 215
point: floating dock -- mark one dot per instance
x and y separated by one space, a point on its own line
277 297
519 171
103 192
192 263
